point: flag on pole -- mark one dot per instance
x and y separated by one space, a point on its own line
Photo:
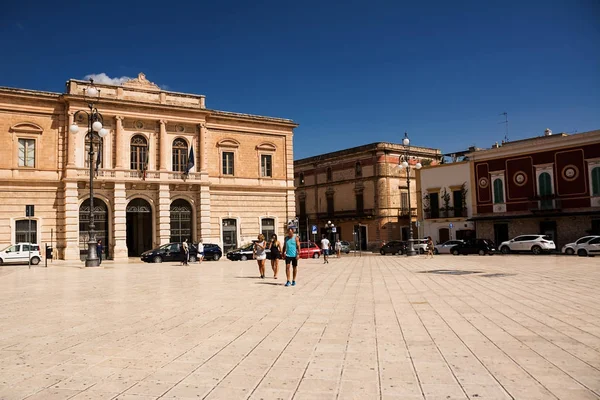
191 162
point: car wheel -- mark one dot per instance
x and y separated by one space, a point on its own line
400 252
157 259
436 252
35 260
192 259
316 255
570 251
536 250
421 251
505 250
482 252
455 252
582 253
347 252
1 261
382 252
244 257
216 257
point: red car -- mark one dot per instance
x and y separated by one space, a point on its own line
309 250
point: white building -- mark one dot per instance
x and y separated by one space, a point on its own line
444 202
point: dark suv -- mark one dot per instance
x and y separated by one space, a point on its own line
172 252
474 246
394 247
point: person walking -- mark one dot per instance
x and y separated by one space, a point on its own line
99 249
338 248
185 252
291 251
275 248
429 247
325 249
200 251
260 253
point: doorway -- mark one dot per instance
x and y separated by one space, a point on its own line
100 223
443 235
500 233
549 228
360 236
139 227
229 235
181 221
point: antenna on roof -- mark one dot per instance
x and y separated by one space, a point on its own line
506 125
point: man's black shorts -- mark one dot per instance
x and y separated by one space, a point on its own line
291 260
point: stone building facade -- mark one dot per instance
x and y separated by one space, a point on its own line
241 183
445 202
545 185
361 191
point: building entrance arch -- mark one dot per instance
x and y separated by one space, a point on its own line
181 221
139 227
100 222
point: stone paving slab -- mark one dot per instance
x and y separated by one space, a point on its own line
373 327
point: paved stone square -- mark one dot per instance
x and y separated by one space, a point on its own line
372 327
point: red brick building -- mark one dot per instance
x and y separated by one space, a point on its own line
547 185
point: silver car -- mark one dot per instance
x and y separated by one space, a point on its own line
444 248
571 248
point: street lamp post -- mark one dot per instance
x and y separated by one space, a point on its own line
330 227
95 132
405 165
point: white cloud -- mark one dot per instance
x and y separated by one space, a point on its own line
104 79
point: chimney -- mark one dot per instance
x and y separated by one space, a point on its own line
547 132
495 145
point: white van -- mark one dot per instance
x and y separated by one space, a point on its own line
19 253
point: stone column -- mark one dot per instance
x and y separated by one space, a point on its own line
119 142
202 147
120 222
164 152
205 231
71 221
71 143
164 214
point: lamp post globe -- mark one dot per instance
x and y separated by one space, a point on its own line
96 126
74 128
419 165
102 132
92 91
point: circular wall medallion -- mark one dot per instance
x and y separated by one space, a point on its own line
520 178
139 124
570 173
180 128
483 182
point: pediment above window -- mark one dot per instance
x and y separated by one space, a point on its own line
230 143
266 146
27 127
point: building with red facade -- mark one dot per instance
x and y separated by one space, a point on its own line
544 185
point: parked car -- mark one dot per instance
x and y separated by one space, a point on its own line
21 253
309 250
571 248
537 244
393 247
244 253
172 252
420 245
474 246
345 246
591 248
444 248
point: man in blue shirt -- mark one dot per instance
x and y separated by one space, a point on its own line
291 251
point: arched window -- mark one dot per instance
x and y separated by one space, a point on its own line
498 191
596 181
180 155
98 148
139 153
358 169
329 175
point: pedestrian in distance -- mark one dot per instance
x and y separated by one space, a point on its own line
291 251
429 247
99 249
185 252
338 248
275 248
325 249
260 254
200 251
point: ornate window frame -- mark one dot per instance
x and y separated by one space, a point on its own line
229 145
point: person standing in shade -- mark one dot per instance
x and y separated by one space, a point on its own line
275 248
325 249
291 251
99 249
338 248
260 253
185 252
200 251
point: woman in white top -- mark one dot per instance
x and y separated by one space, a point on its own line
260 254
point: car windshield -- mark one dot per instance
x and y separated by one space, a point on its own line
9 248
546 237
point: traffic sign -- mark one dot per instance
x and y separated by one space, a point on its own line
314 229
451 225
333 230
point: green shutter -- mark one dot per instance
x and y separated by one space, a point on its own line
545 185
498 191
596 181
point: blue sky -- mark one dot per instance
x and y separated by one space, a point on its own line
349 72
